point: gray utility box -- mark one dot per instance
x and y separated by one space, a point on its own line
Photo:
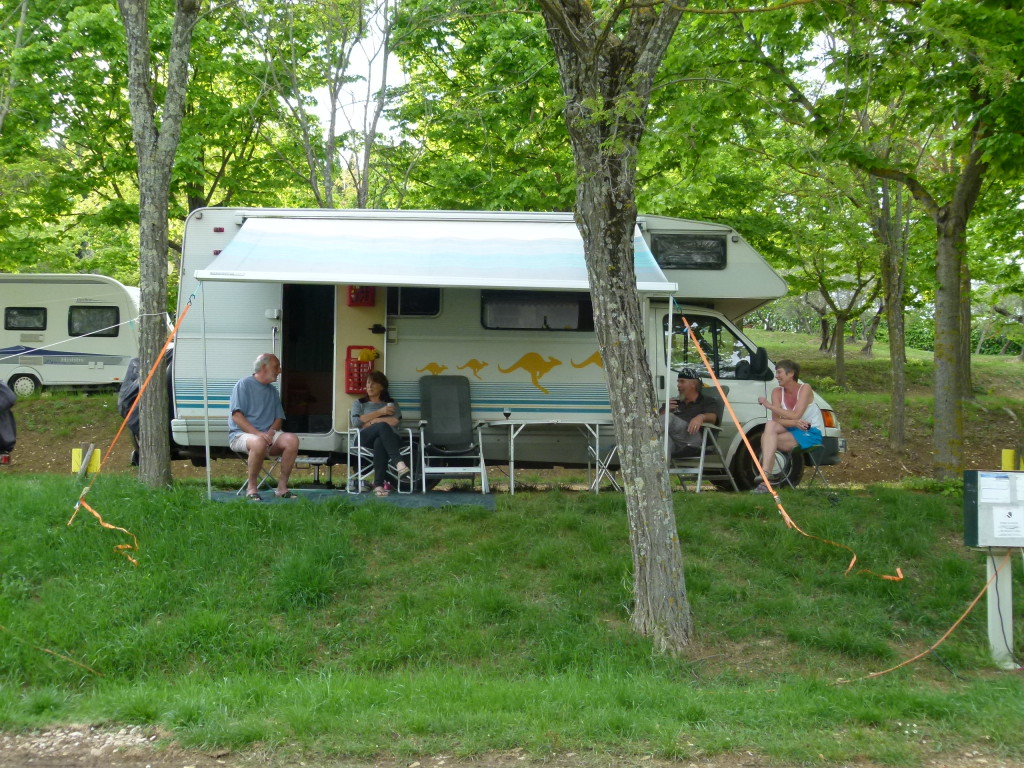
993 508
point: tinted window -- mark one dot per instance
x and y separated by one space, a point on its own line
536 310
93 321
415 302
678 251
25 319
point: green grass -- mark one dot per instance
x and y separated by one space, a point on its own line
369 630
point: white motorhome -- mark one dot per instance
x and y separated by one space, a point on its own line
66 330
500 297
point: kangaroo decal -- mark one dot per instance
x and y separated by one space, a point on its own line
535 365
435 369
474 365
594 359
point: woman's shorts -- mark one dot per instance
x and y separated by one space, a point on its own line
806 438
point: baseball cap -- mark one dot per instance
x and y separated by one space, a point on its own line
687 373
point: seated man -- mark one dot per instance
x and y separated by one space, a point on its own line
687 413
254 425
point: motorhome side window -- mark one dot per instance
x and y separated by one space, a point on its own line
536 310
25 319
729 356
689 251
414 302
93 321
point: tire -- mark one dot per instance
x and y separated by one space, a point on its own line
23 384
786 464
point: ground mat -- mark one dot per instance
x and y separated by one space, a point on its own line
335 496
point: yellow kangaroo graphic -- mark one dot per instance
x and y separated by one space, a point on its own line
535 365
474 365
435 369
594 359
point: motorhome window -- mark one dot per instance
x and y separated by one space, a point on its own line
414 302
679 251
729 356
536 311
25 319
93 321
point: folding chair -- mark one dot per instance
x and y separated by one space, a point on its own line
449 443
706 458
812 456
360 463
266 476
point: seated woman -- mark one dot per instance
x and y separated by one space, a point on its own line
796 419
377 416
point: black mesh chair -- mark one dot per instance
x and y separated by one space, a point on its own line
450 444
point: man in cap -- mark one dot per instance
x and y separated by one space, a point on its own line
688 412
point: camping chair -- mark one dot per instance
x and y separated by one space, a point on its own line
449 442
706 458
810 456
266 476
360 463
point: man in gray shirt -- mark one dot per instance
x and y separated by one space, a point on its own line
254 426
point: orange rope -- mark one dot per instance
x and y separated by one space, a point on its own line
778 502
122 548
938 642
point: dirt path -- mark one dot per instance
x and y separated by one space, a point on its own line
85 746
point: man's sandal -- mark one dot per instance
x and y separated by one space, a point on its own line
253 497
381 491
286 495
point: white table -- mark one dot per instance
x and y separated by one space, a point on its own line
590 430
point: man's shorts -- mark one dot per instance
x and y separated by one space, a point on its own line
240 444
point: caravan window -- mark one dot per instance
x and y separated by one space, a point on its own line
679 251
93 321
728 355
414 302
25 319
536 310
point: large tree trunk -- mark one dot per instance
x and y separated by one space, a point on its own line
949 428
606 80
156 143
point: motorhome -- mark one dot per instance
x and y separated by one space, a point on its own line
66 330
500 297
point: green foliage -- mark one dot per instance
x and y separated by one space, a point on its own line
369 631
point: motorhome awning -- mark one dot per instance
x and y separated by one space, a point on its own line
546 255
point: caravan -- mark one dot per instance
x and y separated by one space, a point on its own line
66 330
501 298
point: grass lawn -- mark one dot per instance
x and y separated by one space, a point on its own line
369 630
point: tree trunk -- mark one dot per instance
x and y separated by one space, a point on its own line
948 432
155 146
826 334
964 359
839 349
607 79
868 350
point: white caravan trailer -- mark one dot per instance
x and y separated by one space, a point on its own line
500 297
66 330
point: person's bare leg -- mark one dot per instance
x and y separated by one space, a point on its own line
287 446
257 455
